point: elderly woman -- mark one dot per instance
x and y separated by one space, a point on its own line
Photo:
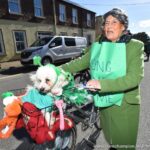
116 67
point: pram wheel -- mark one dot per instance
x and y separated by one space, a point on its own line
65 140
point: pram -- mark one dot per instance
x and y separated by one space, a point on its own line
86 115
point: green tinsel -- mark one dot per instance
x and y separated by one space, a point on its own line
74 95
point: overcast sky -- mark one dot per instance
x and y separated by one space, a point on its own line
138 11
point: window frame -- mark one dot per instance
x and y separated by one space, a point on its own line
74 16
15 42
2 43
18 4
37 7
62 13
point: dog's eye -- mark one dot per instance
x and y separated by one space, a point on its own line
47 80
39 80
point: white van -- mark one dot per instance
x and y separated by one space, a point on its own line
54 49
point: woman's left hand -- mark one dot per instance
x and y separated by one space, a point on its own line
93 85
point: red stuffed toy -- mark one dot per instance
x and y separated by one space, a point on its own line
11 112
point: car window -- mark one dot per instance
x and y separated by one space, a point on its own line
56 42
41 42
70 42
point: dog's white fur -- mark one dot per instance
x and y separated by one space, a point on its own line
47 73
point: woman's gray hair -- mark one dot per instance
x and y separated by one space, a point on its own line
119 15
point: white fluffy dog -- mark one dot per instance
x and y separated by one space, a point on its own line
50 80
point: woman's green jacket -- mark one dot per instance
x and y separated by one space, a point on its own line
128 84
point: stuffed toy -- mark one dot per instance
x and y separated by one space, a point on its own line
11 112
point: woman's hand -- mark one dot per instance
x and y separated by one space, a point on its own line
93 85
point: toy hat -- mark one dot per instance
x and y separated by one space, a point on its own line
7 94
57 70
37 61
8 98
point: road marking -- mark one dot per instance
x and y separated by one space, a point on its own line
11 76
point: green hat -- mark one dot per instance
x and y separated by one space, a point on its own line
6 94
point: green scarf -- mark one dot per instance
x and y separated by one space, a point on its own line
108 61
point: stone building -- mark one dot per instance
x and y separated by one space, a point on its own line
23 21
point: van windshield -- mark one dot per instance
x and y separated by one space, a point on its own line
41 42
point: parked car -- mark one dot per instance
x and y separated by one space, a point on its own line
54 49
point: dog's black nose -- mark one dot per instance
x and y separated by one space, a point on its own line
41 89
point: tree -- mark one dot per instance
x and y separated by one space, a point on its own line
142 36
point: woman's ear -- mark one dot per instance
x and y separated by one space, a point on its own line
123 28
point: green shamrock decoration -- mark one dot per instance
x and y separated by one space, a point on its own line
37 60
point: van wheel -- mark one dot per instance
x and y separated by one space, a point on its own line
46 60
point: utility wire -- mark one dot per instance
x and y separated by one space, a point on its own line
121 4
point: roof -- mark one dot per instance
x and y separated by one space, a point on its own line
78 5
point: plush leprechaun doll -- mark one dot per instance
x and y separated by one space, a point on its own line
12 109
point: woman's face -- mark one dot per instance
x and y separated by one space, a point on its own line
113 28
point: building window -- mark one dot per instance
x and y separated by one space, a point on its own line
74 16
1 44
20 40
74 34
38 9
62 13
63 33
14 6
89 20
